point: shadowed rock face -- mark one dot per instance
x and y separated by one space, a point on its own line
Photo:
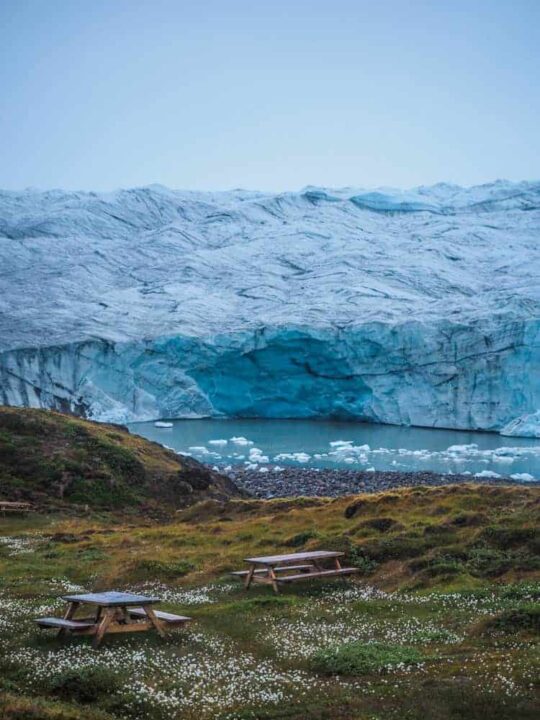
416 307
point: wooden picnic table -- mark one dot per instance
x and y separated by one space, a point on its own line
276 569
115 612
11 506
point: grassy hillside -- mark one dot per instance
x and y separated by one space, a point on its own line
451 536
441 624
58 461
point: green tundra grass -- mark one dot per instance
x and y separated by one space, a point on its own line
442 623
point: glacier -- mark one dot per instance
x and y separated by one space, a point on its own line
418 307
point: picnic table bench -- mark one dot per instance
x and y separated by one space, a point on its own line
10 506
114 612
276 569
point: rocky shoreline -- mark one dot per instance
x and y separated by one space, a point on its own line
297 481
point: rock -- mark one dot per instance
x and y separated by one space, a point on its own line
294 482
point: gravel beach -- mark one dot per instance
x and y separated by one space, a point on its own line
295 481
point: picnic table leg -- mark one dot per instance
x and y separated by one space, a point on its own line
249 577
272 576
106 620
337 565
153 619
68 615
125 618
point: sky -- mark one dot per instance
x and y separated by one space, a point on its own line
222 94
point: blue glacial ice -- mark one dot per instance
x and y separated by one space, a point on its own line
415 307
524 426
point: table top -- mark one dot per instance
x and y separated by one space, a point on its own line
110 599
291 557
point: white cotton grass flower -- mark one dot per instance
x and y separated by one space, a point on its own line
20 545
203 672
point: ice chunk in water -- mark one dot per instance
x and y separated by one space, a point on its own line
524 477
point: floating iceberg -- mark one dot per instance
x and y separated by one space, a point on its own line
523 477
415 307
524 426
256 455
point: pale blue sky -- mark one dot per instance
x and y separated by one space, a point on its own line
100 94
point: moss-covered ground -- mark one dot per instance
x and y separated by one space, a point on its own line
441 624
64 463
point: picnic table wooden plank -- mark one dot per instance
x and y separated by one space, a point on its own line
260 571
111 599
65 624
12 506
319 573
170 618
291 557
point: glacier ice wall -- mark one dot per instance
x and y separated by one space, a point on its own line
418 307
415 374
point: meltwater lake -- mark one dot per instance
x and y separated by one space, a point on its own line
259 443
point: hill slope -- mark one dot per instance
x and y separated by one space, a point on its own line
416 308
441 623
53 460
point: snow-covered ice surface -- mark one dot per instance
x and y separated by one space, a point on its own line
415 308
